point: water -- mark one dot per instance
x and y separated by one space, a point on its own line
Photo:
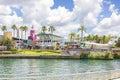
12 68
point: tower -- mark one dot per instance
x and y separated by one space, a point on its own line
32 34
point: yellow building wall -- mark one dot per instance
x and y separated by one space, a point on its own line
8 35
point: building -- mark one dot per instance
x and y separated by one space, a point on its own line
48 40
8 35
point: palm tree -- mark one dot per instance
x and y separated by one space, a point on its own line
22 29
25 28
104 39
77 37
44 29
51 29
82 29
96 37
72 36
89 38
14 27
4 28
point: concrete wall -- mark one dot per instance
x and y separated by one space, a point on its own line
74 52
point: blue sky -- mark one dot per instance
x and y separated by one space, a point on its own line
68 4
98 16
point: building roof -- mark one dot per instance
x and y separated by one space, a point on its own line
51 34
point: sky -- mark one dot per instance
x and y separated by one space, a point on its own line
100 17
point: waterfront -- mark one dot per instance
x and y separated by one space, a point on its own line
12 68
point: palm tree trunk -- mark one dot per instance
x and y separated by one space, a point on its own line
14 33
21 34
25 35
81 36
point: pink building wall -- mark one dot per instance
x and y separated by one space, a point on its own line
33 35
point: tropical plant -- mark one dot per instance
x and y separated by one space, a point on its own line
96 38
4 28
7 42
103 39
51 29
77 37
25 28
22 29
82 29
72 36
42 35
118 42
89 38
14 27
44 29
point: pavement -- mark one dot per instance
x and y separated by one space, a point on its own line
117 79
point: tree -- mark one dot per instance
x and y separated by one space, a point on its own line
14 27
103 39
51 29
82 29
72 36
7 42
44 29
77 37
43 34
89 37
95 38
4 28
25 28
22 29
118 42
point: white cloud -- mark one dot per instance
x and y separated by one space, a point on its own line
59 16
39 13
5 10
113 9
9 20
87 11
109 25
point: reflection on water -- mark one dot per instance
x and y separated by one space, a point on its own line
11 68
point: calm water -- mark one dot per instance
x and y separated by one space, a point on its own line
11 68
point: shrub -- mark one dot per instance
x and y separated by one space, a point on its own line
5 52
13 49
117 55
100 55
83 55
109 55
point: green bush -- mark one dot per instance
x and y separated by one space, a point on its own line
100 55
109 55
5 52
116 55
83 55
13 49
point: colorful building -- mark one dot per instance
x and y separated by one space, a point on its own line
8 35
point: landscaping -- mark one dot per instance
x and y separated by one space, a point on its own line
41 52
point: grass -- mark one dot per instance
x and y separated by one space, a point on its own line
8 52
42 52
100 55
